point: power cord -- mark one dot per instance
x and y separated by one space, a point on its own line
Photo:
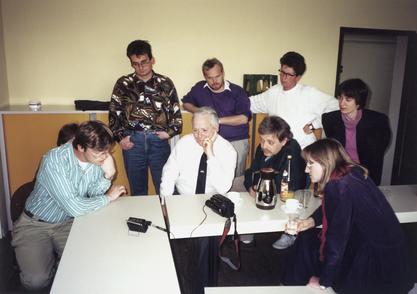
205 216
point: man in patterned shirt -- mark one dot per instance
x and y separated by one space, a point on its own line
73 179
144 113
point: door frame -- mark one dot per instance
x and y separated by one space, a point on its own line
399 132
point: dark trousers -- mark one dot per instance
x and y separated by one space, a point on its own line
303 261
196 262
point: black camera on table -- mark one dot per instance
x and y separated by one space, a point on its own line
138 224
221 205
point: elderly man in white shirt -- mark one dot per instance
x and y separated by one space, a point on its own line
200 163
299 105
183 165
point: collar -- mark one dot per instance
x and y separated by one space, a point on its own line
351 123
74 157
140 80
226 86
293 89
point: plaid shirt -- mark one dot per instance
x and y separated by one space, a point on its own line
144 106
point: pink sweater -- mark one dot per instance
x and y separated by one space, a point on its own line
350 133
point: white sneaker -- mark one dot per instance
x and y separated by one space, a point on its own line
247 238
284 242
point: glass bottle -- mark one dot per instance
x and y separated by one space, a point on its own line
286 191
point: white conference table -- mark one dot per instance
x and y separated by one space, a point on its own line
267 290
102 257
185 213
403 199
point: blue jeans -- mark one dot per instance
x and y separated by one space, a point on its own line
148 150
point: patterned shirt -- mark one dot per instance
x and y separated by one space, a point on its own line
64 190
144 106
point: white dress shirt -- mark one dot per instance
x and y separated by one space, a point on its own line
298 106
181 169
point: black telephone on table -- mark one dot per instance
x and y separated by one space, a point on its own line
221 205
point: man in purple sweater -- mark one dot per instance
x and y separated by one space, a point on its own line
231 104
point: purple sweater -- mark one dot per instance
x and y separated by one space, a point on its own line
229 102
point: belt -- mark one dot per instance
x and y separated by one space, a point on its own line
29 214
146 132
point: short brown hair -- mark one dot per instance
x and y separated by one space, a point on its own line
93 134
275 125
210 63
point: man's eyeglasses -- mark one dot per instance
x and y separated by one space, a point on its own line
143 63
286 74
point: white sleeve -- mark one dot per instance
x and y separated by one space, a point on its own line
170 174
258 103
323 103
222 170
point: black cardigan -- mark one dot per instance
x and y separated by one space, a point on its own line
373 135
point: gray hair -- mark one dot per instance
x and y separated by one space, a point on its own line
210 112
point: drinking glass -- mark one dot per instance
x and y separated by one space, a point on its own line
303 196
291 228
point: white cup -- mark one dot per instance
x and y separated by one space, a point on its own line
35 105
292 205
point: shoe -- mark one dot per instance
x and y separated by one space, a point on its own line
247 238
284 242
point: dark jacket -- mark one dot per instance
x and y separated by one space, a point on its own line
373 135
365 249
279 163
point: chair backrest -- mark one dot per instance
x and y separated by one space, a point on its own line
238 185
17 203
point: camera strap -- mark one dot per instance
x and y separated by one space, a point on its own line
235 240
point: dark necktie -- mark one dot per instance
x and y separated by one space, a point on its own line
202 173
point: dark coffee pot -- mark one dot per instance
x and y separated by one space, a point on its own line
266 191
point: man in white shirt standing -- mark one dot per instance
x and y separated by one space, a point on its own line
299 105
184 164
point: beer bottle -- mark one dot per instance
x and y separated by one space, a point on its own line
286 189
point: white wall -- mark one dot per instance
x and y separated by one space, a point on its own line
60 50
4 92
